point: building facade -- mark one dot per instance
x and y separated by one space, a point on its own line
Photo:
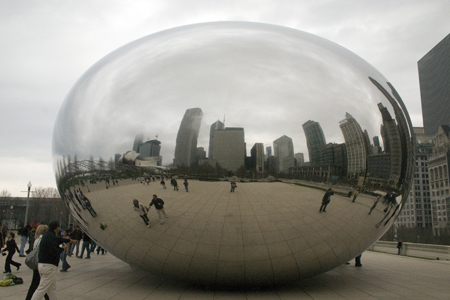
284 152
434 79
314 140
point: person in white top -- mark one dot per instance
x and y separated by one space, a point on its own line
40 230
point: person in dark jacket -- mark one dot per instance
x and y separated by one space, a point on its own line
326 200
86 245
49 254
23 239
159 205
11 247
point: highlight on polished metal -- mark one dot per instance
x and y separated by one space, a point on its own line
278 155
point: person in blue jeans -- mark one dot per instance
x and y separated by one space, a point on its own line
65 265
86 246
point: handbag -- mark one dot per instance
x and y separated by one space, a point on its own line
32 259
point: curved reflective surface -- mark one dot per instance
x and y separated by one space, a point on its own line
283 114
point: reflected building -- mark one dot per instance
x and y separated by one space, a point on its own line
138 142
150 148
314 140
228 148
257 157
268 152
215 126
434 79
299 159
392 138
186 143
201 153
355 143
284 152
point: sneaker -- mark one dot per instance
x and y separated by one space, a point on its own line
18 267
87 258
22 256
62 270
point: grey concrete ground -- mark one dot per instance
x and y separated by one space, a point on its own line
383 276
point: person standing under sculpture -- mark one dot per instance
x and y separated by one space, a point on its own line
159 206
49 254
325 200
77 234
86 245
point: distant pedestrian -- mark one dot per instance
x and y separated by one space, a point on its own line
31 239
186 184
86 246
374 204
63 256
23 239
399 246
358 261
175 185
11 247
355 194
159 206
163 183
233 186
142 211
326 199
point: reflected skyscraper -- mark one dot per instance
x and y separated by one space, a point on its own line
392 137
300 159
314 140
138 142
228 147
186 143
257 157
284 153
215 126
434 78
355 143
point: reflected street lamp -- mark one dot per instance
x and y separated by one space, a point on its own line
28 202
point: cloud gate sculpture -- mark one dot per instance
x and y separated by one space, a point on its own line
245 131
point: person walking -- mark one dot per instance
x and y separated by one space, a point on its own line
11 247
233 186
142 211
49 254
40 230
355 194
326 199
186 184
159 206
163 183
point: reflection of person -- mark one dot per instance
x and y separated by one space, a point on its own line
49 254
374 204
358 261
142 211
159 206
399 246
326 199
233 186
11 247
40 230
186 184
355 194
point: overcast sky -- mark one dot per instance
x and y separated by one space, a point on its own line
47 45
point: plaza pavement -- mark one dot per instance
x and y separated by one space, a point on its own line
383 276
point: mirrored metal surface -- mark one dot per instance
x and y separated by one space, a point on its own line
260 121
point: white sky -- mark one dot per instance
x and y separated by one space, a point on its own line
47 45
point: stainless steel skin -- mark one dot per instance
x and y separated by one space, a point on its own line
220 102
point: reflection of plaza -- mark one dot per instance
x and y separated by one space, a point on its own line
263 226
